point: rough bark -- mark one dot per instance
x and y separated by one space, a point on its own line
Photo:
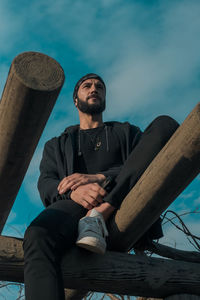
176 165
33 84
174 297
182 297
144 298
116 273
71 294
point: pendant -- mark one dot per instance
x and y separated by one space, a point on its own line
98 145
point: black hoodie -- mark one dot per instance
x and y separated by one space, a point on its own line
58 157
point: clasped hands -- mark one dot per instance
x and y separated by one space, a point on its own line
86 189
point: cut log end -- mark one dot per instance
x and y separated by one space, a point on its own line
38 71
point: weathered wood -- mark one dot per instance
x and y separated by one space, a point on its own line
71 294
117 273
174 297
169 252
183 297
145 298
33 84
176 165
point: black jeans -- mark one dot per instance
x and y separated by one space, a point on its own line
54 231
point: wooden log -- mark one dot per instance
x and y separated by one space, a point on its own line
183 297
145 298
174 297
116 273
33 84
71 294
177 164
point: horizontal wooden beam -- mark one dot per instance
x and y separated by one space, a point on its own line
182 297
117 273
33 84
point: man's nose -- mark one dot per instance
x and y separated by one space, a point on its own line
93 89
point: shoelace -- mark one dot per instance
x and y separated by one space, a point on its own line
100 224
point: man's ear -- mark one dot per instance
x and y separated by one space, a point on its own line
75 102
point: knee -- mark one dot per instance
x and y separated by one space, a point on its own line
165 126
33 233
166 122
33 237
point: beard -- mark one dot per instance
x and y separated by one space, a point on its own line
91 109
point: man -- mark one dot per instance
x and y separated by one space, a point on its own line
74 171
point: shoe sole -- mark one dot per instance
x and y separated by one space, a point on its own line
91 245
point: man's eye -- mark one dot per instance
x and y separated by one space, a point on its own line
100 87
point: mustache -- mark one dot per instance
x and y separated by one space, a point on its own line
92 96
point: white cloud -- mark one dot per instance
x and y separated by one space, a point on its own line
10 27
187 195
144 78
197 202
150 59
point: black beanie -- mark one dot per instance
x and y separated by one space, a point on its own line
85 77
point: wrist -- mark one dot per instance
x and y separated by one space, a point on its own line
71 195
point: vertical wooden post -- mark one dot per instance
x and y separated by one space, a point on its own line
33 84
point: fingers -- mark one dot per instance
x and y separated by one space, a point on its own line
85 204
67 183
88 195
65 186
94 198
97 188
72 182
83 200
93 194
82 181
75 180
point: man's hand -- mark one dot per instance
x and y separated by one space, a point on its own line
75 180
88 195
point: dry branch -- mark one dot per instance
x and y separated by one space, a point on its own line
169 252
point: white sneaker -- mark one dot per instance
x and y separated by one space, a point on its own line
92 233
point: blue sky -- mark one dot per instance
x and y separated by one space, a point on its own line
146 51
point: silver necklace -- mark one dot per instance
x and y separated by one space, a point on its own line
96 142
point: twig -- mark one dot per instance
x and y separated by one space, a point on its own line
184 229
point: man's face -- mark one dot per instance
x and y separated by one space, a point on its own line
91 97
